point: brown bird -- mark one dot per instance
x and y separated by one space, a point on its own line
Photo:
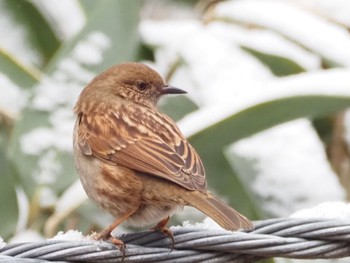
133 160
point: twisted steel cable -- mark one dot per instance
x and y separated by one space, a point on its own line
283 237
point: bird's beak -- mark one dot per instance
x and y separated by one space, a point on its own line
171 90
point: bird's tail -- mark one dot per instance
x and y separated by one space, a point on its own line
220 212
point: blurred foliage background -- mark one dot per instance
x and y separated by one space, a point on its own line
247 65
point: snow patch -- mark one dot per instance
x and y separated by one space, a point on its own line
206 224
14 39
66 16
88 51
13 99
292 22
291 171
48 168
327 210
27 235
2 243
71 235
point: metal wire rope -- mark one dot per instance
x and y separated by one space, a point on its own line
283 237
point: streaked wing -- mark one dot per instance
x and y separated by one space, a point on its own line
152 144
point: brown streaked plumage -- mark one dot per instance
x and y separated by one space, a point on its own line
132 160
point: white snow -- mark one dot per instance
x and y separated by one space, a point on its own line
207 223
14 39
23 209
347 127
48 168
326 210
88 51
62 121
196 46
71 198
13 99
37 140
233 78
52 93
62 88
59 136
2 243
157 34
314 32
74 69
265 41
27 235
66 16
292 171
47 197
336 10
58 94
335 82
71 235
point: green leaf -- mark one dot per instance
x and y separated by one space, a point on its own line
221 179
118 20
88 5
16 72
177 107
39 33
265 115
211 141
246 174
8 200
279 66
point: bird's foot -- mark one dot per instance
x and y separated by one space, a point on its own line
161 227
106 236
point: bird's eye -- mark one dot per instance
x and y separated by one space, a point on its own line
142 85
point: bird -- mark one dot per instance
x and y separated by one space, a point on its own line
133 160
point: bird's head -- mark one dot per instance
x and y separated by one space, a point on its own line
134 82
